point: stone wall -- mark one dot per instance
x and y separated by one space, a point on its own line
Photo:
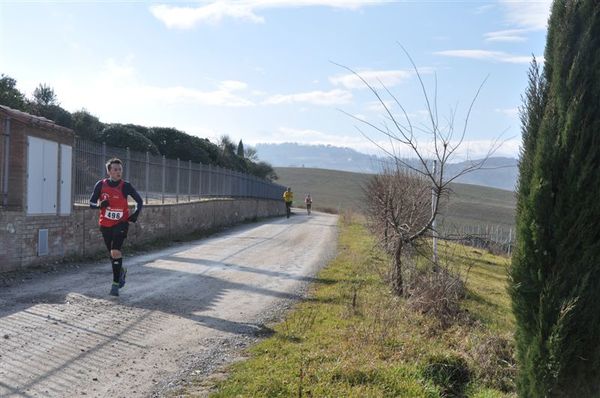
78 234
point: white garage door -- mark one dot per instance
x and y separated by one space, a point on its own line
66 155
42 176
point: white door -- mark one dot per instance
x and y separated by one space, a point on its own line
66 154
50 177
35 175
42 176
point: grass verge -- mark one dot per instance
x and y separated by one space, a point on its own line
353 338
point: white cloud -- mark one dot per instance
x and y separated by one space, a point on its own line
415 116
215 12
477 149
223 96
496 56
317 137
389 78
470 149
118 91
510 112
331 97
511 35
232 85
118 70
376 106
188 17
484 8
527 14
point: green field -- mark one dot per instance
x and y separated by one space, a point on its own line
330 189
471 205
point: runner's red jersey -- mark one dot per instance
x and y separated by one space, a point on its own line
117 210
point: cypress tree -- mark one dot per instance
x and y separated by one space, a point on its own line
240 149
555 273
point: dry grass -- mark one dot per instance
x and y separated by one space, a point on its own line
435 294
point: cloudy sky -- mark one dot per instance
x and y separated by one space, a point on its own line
273 70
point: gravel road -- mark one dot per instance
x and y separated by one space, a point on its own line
185 311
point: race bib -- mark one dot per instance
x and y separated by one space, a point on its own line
114 215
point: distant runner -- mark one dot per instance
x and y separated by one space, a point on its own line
288 197
308 202
110 196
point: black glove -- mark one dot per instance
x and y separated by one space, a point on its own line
104 204
133 217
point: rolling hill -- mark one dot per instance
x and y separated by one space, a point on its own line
470 205
499 172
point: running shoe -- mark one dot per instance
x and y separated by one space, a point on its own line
114 290
122 277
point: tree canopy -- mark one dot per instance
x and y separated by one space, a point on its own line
170 142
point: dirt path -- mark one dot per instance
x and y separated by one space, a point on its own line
184 309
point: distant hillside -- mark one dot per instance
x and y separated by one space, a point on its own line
500 173
329 189
318 156
469 205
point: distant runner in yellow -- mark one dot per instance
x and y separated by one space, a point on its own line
288 197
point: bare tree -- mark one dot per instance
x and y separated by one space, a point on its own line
414 179
398 205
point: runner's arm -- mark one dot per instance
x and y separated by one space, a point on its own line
96 195
139 203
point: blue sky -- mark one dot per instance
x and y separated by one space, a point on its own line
265 70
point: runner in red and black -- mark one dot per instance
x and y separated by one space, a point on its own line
110 196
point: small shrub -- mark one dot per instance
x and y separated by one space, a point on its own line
348 217
450 373
435 293
494 362
296 327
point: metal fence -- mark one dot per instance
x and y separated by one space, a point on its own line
498 239
3 160
161 180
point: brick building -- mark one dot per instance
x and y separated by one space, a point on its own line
35 186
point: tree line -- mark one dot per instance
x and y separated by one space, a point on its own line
167 141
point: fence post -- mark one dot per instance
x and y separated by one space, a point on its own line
189 180
433 224
128 163
147 174
200 179
177 192
509 241
102 166
164 166
209 180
